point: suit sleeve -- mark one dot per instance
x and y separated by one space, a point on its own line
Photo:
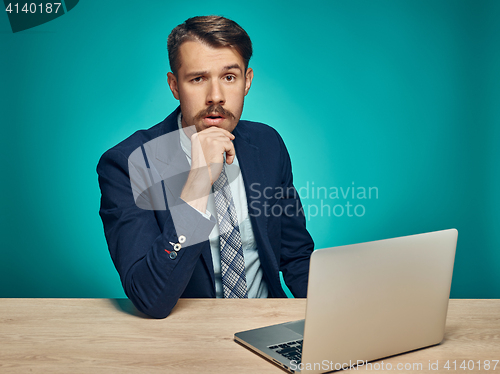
152 278
296 243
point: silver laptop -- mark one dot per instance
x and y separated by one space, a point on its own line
365 302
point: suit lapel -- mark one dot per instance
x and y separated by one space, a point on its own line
169 158
253 177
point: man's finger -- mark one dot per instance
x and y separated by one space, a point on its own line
230 154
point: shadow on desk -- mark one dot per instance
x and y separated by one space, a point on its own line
126 306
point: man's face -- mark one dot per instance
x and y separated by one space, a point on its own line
211 85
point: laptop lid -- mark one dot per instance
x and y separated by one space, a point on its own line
372 300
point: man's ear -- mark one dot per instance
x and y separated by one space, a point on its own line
172 83
248 80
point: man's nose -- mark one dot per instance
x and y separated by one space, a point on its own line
215 94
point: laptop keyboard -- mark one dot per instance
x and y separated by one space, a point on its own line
290 350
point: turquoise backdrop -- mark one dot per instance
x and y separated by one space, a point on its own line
400 96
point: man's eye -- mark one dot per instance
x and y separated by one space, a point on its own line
197 79
230 78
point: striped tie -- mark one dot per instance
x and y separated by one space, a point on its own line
234 282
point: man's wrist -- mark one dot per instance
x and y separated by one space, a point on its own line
197 189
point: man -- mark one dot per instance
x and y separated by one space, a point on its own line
180 218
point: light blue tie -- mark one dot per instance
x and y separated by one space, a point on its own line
234 283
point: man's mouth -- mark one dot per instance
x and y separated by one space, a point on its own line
213 119
213 116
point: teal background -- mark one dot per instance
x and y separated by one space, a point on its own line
399 95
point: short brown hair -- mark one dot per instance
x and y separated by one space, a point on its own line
215 31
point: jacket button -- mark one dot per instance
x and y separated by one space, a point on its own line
177 247
172 255
182 239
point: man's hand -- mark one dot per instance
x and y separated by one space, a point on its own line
208 148
207 158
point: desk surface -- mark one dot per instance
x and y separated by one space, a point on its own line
110 336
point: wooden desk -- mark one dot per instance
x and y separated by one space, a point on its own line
109 336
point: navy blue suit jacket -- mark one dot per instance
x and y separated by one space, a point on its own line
137 238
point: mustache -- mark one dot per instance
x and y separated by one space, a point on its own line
214 109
